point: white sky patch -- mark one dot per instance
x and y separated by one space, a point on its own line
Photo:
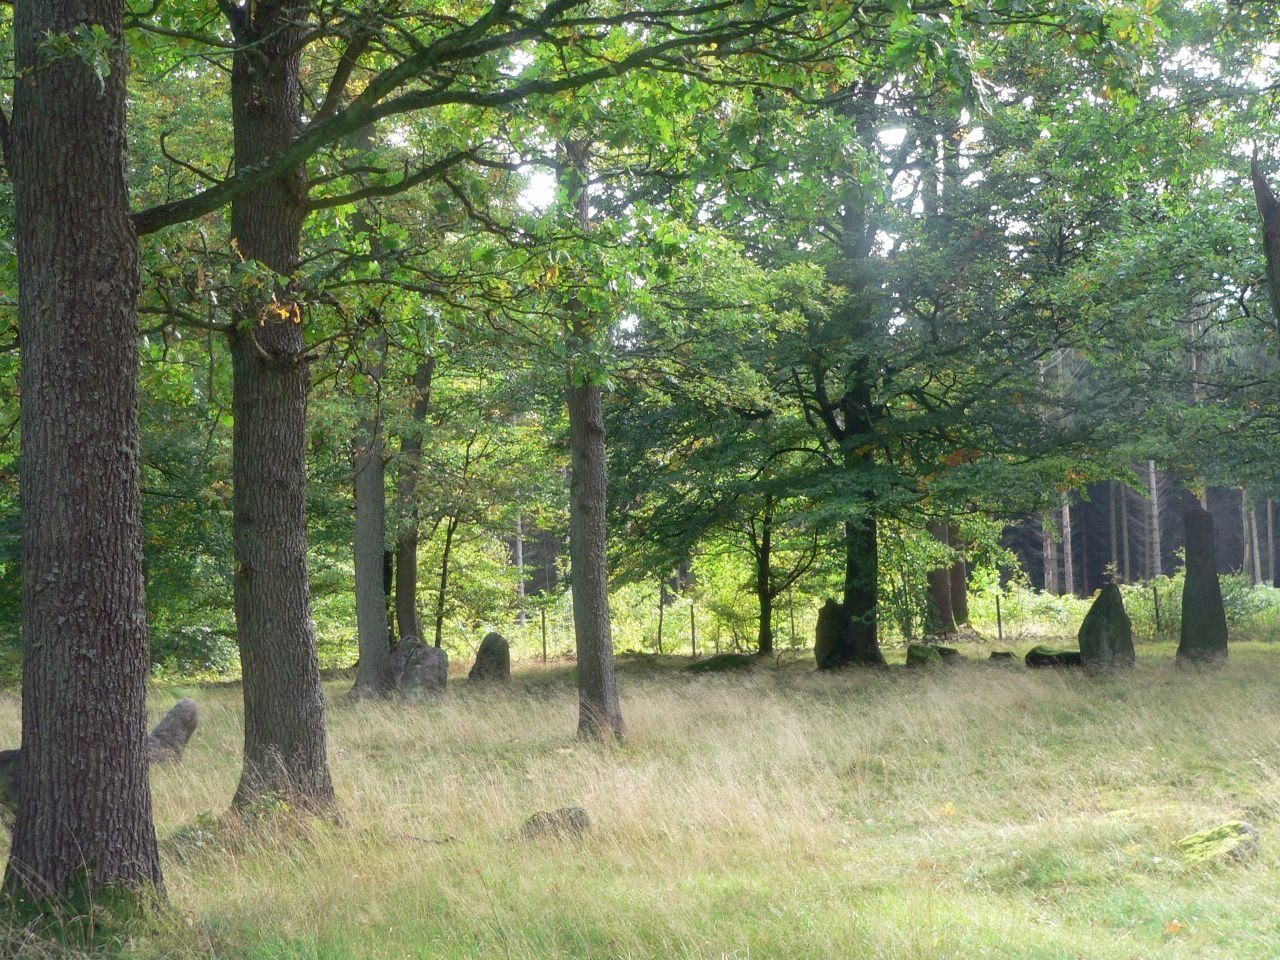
539 189
892 137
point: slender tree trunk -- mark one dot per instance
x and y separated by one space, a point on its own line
1068 553
523 619
1115 538
450 526
1271 544
284 705
1155 551
941 616
1253 556
1049 553
373 674
407 621
764 581
1124 533
599 711
662 608
84 810
959 579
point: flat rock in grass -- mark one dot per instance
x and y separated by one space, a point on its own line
493 659
563 823
426 673
1106 636
169 738
722 662
1235 840
923 655
1048 657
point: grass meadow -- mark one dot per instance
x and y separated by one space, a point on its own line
977 811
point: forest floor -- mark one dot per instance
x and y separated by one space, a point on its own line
978 811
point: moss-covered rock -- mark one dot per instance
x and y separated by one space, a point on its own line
1106 636
924 655
1048 657
1233 840
721 662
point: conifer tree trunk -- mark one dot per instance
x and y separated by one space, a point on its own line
599 712
1049 554
1124 533
1068 553
1155 553
1115 538
284 704
84 810
407 621
1271 544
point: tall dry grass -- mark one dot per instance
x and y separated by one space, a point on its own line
978 812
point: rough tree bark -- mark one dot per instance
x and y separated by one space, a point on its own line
284 705
374 677
407 621
941 614
599 712
84 816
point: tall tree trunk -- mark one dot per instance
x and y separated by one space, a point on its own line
1049 553
442 594
373 674
959 578
860 594
407 621
599 711
941 616
1115 539
1271 543
1155 554
1068 553
84 810
1124 533
284 751
519 551
763 548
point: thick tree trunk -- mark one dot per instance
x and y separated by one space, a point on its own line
373 674
941 616
599 712
860 596
84 812
284 705
407 621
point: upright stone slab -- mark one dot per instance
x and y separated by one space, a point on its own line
1106 636
1204 622
493 659
829 647
169 738
403 653
426 673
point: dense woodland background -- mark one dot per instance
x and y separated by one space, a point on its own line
908 304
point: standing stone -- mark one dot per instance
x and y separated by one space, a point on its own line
829 647
1106 636
1204 621
493 659
403 653
169 738
426 672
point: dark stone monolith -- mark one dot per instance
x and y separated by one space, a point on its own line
493 659
169 738
1203 641
829 648
1106 636
426 671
